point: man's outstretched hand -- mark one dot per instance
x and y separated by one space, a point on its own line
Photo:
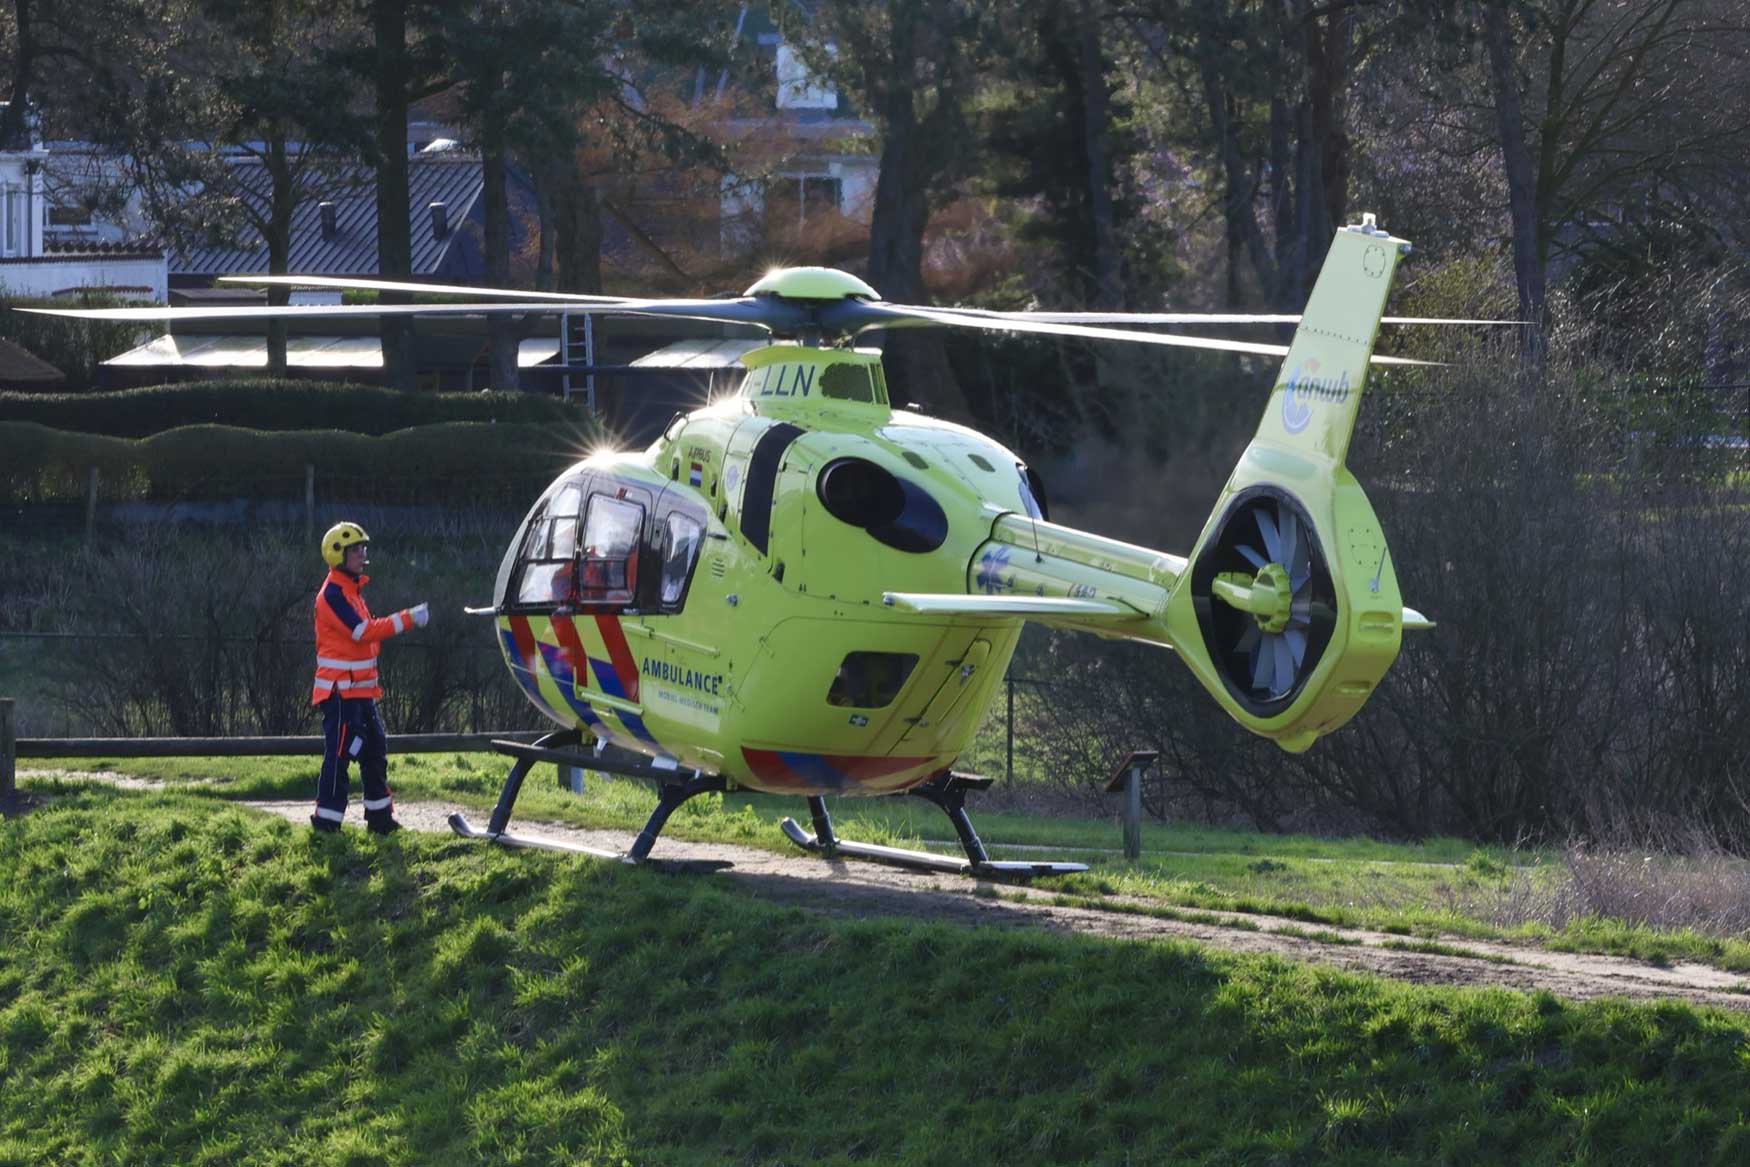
421 614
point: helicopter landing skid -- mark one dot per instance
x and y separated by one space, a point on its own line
673 789
948 793
459 823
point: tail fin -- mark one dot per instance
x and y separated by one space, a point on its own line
1318 390
1289 611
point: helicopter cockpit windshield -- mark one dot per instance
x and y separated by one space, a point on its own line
549 551
593 546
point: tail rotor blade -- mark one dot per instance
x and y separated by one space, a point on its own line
1272 540
1263 666
1249 639
1284 665
1302 569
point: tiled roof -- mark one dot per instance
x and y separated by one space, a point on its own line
75 248
454 181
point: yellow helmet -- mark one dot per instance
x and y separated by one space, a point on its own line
338 539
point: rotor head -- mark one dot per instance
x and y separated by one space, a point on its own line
812 283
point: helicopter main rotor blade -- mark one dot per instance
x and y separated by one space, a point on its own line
759 312
297 311
1194 317
346 282
859 316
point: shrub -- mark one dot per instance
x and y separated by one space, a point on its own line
199 633
454 462
1586 671
269 404
73 346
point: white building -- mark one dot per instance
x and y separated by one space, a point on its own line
818 155
34 267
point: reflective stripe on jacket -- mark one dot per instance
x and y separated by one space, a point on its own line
347 637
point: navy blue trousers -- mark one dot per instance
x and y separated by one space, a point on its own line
351 731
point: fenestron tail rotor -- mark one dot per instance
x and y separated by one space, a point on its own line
1268 601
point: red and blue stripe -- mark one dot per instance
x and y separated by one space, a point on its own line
794 770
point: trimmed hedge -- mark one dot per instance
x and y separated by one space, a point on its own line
276 404
73 346
456 462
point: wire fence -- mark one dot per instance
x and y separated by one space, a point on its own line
279 665
127 685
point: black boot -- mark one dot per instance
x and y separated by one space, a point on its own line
383 826
326 826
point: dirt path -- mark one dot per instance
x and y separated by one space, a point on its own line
854 888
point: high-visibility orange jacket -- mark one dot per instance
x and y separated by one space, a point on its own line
347 637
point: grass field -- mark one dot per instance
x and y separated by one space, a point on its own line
1444 887
187 982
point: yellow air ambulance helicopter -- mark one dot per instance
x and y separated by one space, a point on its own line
800 590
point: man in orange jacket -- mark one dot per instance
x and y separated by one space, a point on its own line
346 683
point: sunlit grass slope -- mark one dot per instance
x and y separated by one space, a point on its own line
1432 890
186 982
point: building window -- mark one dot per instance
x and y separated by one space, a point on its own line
795 199
798 86
821 193
12 209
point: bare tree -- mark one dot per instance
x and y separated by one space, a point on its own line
913 65
1272 84
1614 117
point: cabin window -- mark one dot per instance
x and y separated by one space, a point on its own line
1032 493
681 536
847 382
549 550
608 573
870 680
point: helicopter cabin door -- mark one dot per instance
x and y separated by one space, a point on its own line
948 704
